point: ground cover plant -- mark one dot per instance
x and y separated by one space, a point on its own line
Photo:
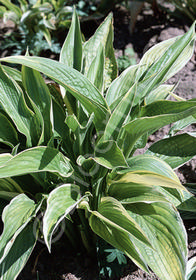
67 153
34 21
38 24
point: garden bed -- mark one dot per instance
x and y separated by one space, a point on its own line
64 263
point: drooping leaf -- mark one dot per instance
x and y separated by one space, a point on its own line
16 215
61 201
145 178
175 150
19 254
133 191
182 124
34 160
12 7
14 73
73 81
188 204
151 163
162 224
112 223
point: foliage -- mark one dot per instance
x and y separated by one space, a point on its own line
111 261
187 7
38 23
191 271
126 60
67 153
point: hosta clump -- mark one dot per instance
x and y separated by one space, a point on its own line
67 153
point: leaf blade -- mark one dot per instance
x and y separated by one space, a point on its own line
36 159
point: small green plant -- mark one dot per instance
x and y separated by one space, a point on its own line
29 15
33 24
37 24
67 150
111 261
126 60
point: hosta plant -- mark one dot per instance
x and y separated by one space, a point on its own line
68 153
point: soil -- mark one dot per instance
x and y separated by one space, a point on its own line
150 29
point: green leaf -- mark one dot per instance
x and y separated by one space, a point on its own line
145 178
119 115
132 193
61 201
155 116
71 52
19 253
36 159
112 223
16 215
96 70
4 158
188 205
153 164
154 53
39 93
120 86
164 65
46 34
191 269
115 254
16 107
12 7
175 150
8 133
108 154
159 93
162 224
9 189
182 124
14 73
103 36
73 81
82 141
